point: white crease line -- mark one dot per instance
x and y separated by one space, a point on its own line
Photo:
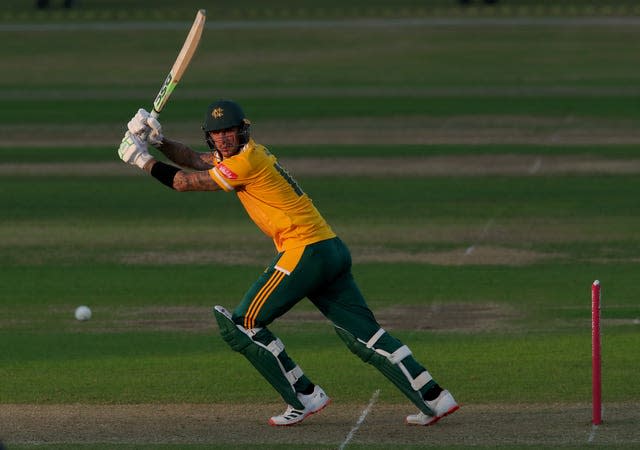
485 231
363 416
592 435
536 166
487 226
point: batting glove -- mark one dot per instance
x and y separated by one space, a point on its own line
146 127
155 137
133 150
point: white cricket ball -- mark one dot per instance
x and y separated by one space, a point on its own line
83 313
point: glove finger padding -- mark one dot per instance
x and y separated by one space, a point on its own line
155 137
138 123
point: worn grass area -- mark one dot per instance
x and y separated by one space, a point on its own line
227 426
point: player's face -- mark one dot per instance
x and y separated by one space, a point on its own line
226 141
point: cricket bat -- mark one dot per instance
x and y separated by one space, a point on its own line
180 65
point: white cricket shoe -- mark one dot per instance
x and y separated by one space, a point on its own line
442 406
313 403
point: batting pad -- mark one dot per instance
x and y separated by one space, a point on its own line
390 365
260 356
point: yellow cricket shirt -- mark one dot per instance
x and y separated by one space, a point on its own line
273 199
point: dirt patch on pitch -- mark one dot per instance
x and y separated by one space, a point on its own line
397 130
382 426
461 165
450 317
228 257
427 166
458 317
472 255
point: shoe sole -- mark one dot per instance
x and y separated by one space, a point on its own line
301 420
435 419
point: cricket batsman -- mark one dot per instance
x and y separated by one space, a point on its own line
311 262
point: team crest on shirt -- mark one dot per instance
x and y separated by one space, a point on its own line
228 173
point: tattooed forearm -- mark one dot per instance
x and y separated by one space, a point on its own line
184 156
196 181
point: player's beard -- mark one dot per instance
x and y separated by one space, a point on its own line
228 147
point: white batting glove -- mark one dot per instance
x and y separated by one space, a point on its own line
147 127
138 123
133 150
155 137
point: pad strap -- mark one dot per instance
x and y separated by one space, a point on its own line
399 354
276 347
375 338
394 357
294 375
421 380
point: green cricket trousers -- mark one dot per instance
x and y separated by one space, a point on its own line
320 272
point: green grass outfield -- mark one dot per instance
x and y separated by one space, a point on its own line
128 10
151 263
66 238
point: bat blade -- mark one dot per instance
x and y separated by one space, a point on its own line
180 65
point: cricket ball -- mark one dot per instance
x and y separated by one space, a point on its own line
83 313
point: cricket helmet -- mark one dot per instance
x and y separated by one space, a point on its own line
224 114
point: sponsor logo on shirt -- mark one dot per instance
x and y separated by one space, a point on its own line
228 173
